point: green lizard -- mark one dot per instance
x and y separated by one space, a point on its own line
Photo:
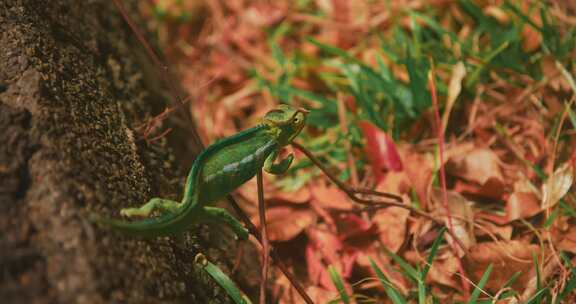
218 170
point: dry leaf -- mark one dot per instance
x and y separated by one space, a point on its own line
300 196
395 182
477 165
462 217
522 205
353 228
330 197
391 223
454 88
557 185
419 169
487 228
380 149
568 242
444 269
493 188
531 38
325 249
497 13
284 223
507 258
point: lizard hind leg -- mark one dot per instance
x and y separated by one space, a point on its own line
221 216
162 205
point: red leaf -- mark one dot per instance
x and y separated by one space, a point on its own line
380 149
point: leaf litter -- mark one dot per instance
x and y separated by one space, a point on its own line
503 77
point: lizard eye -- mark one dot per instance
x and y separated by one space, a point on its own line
296 120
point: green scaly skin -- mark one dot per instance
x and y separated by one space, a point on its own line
216 172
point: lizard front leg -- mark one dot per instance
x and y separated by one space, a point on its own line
163 205
280 167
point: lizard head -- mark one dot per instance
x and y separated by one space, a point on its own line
286 121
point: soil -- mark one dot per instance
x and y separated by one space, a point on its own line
74 87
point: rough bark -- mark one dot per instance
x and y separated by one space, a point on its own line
72 92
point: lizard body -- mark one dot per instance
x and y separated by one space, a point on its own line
218 170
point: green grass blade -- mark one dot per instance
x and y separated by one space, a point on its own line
512 279
394 295
476 293
222 279
571 283
537 297
412 273
337 280
433 251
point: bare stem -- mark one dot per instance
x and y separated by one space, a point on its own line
264 232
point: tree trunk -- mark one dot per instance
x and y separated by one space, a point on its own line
73 91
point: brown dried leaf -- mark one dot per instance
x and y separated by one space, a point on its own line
284 223
300 196
493 188
522 205
326 249
477 165
444 269
462 216
531 39
507 258
330 197
568 241
418 169
493 230
497 13
557 185
391 223
454 88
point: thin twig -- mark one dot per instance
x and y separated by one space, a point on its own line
371 204
264 232
273 254
440 135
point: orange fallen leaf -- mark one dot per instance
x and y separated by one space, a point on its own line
462 217
507 258
300 196
325 249
488 228
557 185
419 169
391 223
497 13
380 149
330 197
285 223
568 241
531 39
444 270
522 205
353 228
477 165
454 88
493 188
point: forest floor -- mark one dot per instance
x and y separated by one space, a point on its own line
465 108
